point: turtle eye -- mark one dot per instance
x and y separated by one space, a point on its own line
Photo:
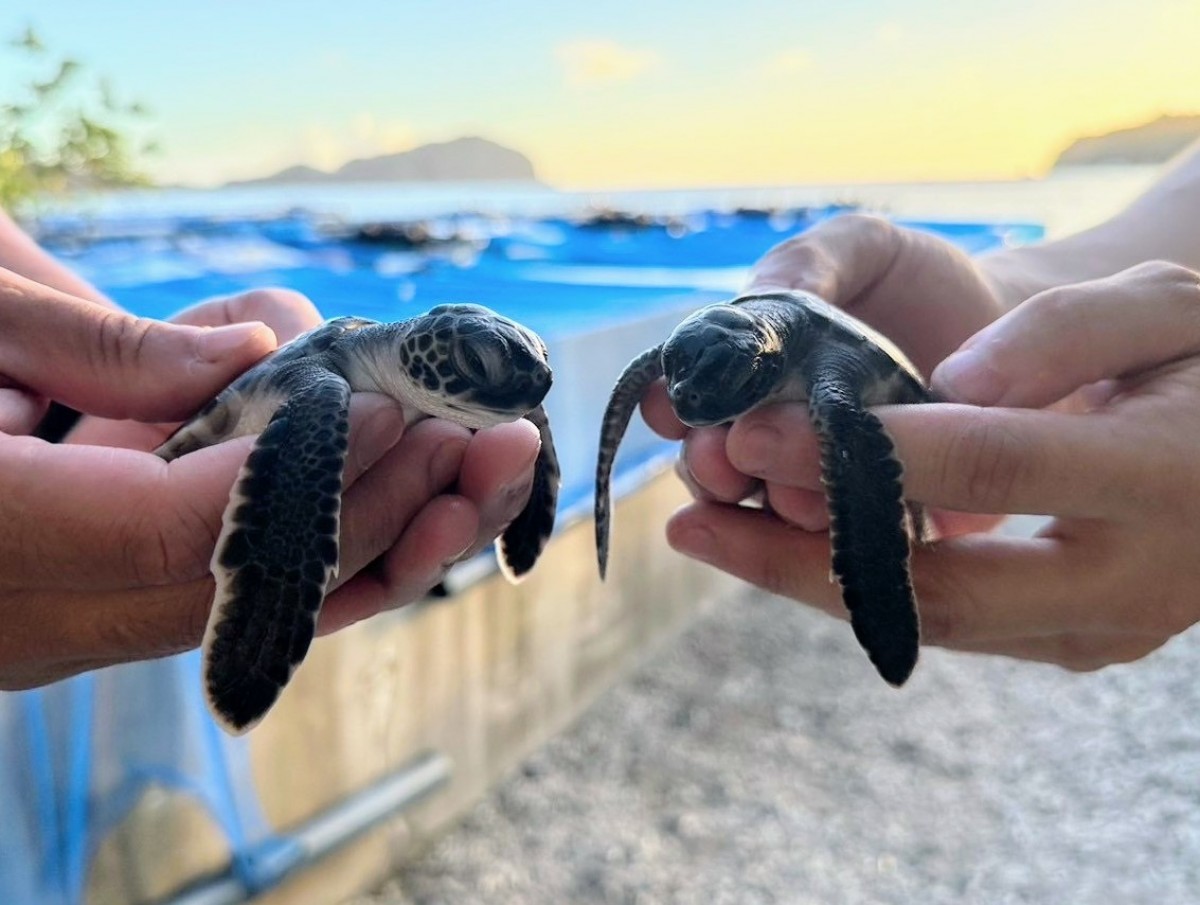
475 363
674 364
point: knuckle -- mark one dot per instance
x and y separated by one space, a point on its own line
168 624
1089 653
1184 292
1079 653
1168 273
1056 304
988 463
864 224
121 341
939 623
269 303
774 574
799 254
945 604
168 545
1171 614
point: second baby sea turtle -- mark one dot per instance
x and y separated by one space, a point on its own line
278 546
730 358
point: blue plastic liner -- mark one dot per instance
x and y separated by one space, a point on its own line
76 756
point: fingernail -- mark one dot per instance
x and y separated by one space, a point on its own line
218 343
695 541
967 377
758 450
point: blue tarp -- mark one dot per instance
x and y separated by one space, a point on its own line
77 755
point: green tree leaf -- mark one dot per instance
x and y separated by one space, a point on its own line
64 130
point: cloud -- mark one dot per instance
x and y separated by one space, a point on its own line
589 63
790 62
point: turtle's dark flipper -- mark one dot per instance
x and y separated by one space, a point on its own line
526 536
868 525
637 376
58 421
277 551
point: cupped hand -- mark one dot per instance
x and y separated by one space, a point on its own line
1114 573
104 549
916 288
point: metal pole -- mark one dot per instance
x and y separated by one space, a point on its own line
274 859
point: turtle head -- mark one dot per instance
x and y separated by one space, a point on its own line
477 367
719 363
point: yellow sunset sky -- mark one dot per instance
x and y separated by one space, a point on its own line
628 94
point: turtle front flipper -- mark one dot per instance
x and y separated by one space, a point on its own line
526 536
868 522
630 386
278 548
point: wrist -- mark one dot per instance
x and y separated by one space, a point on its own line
1016 274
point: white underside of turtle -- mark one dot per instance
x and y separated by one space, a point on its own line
278 549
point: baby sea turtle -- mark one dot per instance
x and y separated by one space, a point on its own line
730 358
278 547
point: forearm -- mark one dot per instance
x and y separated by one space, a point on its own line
20 254
1161 224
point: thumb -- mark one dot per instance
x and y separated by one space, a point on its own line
835 260
1071 336
109 363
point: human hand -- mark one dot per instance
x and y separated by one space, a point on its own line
105 550
1114 574
919 290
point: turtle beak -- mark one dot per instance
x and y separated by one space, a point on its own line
697 407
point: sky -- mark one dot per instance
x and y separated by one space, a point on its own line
632 93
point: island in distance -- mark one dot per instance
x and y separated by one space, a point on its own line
1153 142
468 159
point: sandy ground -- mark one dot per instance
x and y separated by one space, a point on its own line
758 759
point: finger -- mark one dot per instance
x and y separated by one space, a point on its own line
969 590
1018 461
497 476
807 509
1078 652
705 459
1072 336
51 635
836 260
105 362
91 518
965 458
379 507
54 634
921 291
287 313
658 413
20 410
438 536
777 444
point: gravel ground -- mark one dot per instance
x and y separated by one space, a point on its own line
758 759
